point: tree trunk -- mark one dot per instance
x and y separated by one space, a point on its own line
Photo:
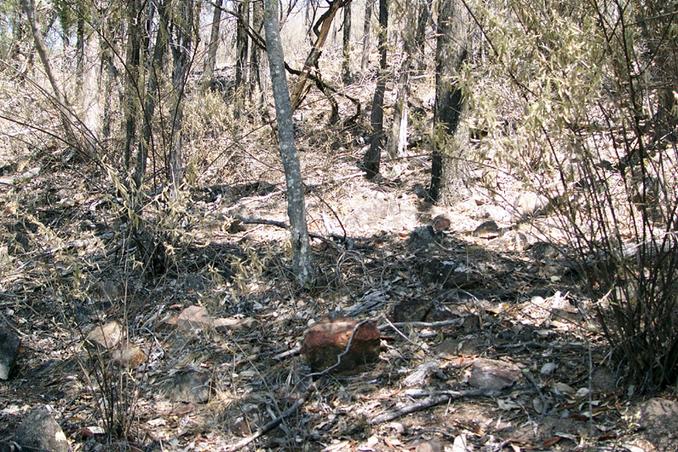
181 44
366 35
372 158
132 60
295 191
255 53
80 51
152 95
346 62
451 52
60 99
425 9
213 45
241 44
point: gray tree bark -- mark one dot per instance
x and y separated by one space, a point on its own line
372 159
296 210
346 62
366 35
182 46
451 53
213 45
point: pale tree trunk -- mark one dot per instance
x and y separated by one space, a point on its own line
451 52
346 62
366 35
60 99
372 159
213 45
181 45
108 74
296 210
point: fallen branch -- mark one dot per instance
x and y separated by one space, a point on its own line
273 423
433 399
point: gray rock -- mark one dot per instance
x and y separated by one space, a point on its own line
188 386
9 349
40 431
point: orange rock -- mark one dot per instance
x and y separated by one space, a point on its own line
328 339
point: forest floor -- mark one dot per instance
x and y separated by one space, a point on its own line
503 298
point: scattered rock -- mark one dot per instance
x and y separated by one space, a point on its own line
197 317
130 356
107 336
40 431
603 379
228 324
548 369
440 223
411 310
528 204
430 446
659 418
326 340
9 349
188 386
493 374
487 230
451 274
192 317
421 374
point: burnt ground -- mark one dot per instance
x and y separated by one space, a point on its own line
505 295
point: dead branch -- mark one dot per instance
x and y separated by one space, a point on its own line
433 399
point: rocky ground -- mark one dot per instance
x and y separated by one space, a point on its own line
487 340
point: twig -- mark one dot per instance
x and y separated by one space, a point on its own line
291 352
273 423
434 399
439 324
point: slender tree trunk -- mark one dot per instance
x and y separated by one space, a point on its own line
182 46
80 51
109 74
288 152
425 9
372 158
346 62
242 44
451 52
157 65
255 53
213 45
60 99
132 60
366 35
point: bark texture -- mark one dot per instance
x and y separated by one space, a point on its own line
451 52
372 160
296 210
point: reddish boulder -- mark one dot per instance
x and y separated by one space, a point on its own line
325 341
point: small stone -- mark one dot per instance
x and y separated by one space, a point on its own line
325 341
130 356
9 349
40 431
107 336
493 374
189 386
440 223
487 230
548 369
421 374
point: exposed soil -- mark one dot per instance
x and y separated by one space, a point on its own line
506 296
